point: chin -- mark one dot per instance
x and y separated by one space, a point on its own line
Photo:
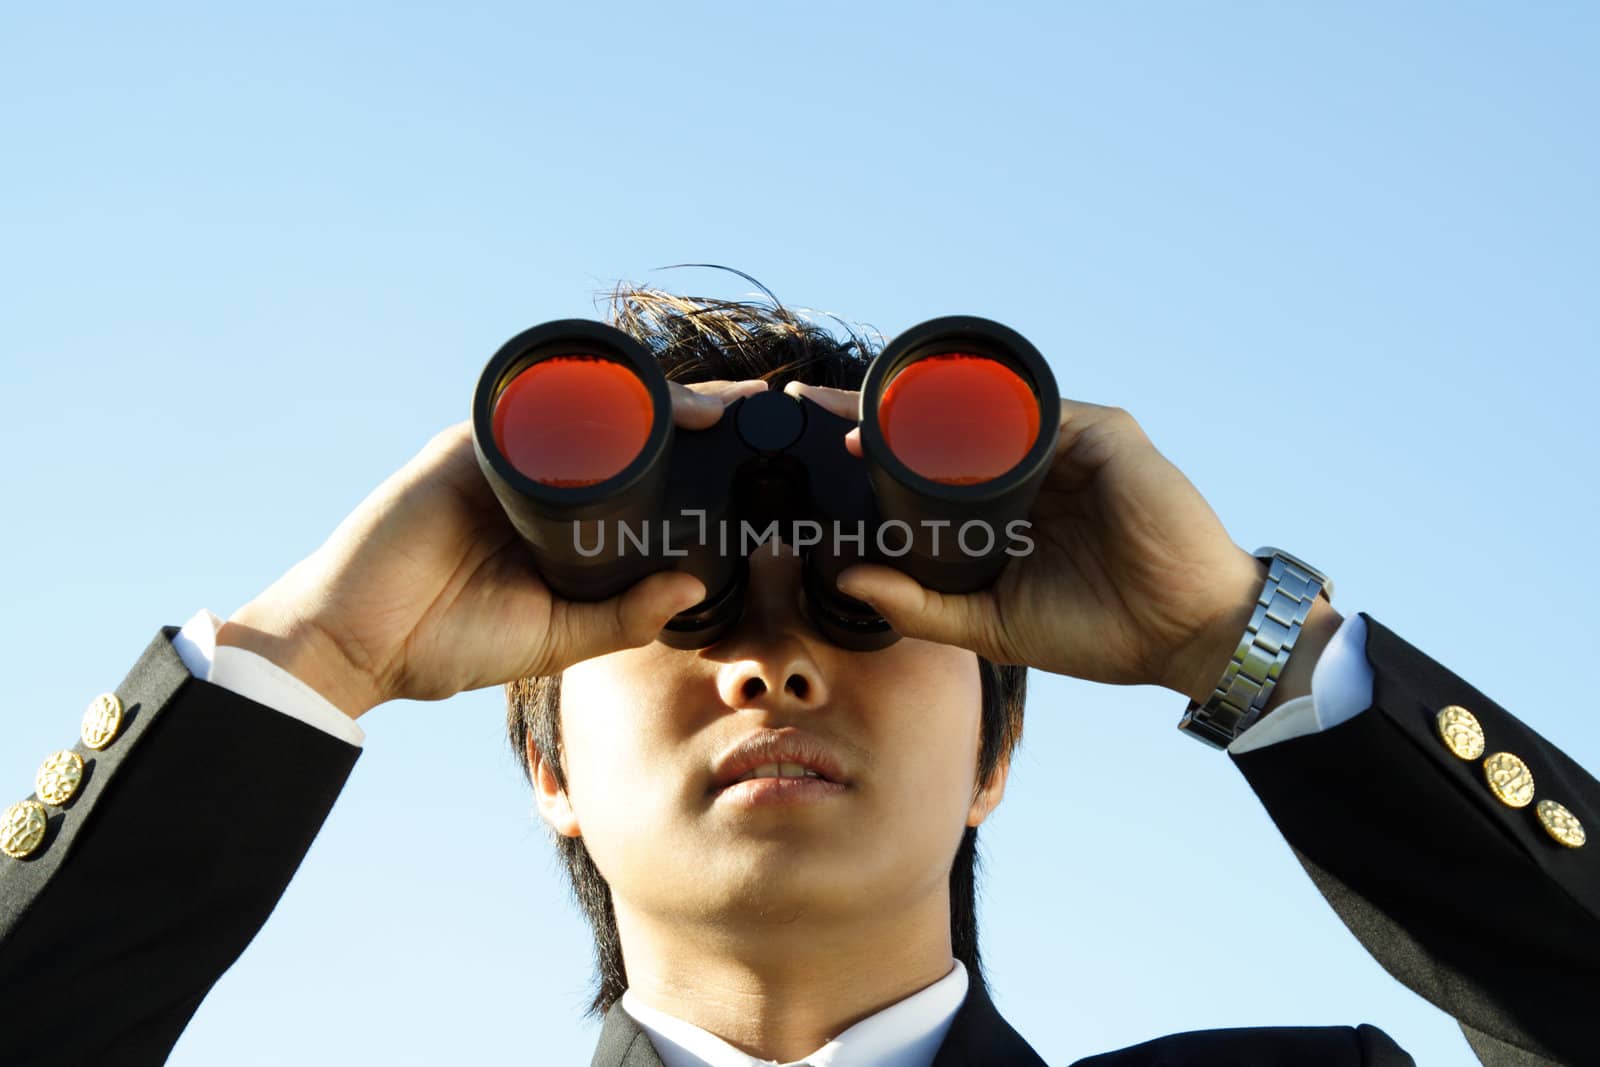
756 877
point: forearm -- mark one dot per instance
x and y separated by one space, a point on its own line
288 641
1315 633
1412 848
163 866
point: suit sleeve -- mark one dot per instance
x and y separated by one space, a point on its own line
1465 899
157 872
250 675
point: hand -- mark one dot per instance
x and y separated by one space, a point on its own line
426 589
1132 579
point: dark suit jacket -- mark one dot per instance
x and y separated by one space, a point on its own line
153 878
979 1037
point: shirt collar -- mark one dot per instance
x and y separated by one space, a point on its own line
907 1033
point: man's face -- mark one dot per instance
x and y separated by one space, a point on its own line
645 731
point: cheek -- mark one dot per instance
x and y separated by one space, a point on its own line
936 697
624 791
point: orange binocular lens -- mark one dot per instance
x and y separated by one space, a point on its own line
572 420
959 419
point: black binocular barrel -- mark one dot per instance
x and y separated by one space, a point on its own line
959 422
572 425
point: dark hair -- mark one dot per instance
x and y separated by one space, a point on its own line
701 339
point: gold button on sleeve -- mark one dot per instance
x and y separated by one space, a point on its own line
102 721
22 828
59 777
1561 824
1509 779
1460 731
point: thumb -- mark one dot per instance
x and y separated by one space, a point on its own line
630 619
965 619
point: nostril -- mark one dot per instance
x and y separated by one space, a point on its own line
797 685
752 688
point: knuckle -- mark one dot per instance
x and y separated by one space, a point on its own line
1123 419
448 439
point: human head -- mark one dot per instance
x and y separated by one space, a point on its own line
673 699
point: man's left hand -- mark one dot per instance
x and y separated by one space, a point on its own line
1132 579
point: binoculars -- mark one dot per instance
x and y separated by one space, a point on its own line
573 429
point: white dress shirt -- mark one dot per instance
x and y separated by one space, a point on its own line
908 1032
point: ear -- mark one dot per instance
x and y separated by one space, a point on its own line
554 806
987 798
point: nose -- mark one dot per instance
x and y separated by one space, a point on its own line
769 660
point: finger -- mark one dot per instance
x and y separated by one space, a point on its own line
1078 416
1091 434
845 403
450 457
458 435
699 405
968 620
629 620
729 390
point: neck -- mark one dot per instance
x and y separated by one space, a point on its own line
779 988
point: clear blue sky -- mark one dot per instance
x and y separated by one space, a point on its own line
251 262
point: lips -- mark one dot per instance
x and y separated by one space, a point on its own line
786 753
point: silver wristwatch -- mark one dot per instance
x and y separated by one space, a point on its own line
1283 606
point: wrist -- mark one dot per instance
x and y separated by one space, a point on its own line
1315 635
1215 646
294 643
1200 664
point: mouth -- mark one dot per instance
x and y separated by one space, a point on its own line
765 792
780 770
785 765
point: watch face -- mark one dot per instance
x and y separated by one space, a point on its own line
1266 552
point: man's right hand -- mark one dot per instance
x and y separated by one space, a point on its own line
426 589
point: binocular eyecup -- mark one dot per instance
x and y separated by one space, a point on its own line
572 425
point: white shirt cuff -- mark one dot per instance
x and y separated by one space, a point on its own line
1341 689
258 678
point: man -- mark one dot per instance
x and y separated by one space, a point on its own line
830 922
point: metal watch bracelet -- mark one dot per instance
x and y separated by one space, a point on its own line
1283 606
